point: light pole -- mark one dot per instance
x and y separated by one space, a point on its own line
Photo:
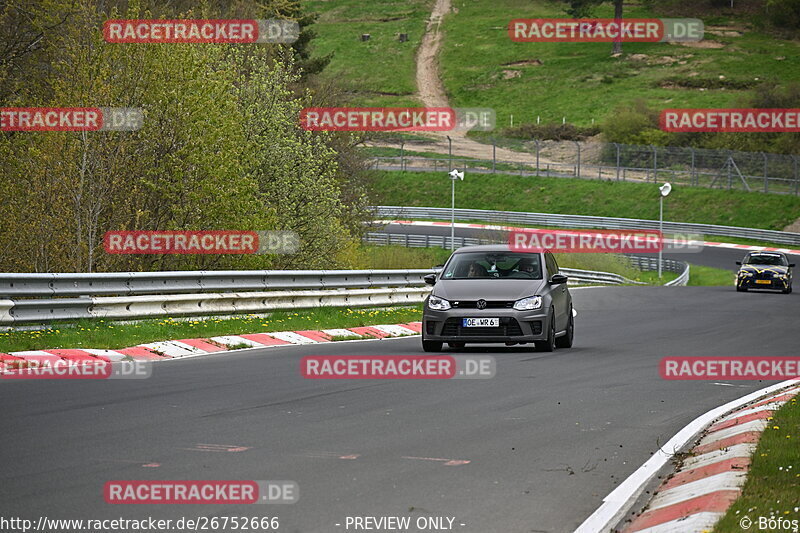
454 175
665 190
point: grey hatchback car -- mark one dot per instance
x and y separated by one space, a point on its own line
491 294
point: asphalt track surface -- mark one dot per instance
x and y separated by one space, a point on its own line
546 439
724 258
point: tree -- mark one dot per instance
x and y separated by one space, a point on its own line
584 8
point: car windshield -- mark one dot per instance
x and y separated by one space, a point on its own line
766 259
493 265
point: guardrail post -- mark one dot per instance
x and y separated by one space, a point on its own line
616 145
578 169
766 178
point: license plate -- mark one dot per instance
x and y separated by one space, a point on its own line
764 281
480 322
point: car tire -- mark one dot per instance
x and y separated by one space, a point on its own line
566 340
457 345
432 346
548 345
787 290
740 288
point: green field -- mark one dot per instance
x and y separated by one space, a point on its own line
379 71
588 197
482 67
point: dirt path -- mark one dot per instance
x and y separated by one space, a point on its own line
429 83
432 93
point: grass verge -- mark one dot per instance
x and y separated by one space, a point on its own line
710 277
103 334
773 483
588 197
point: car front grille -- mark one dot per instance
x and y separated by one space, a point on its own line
509 327
473 304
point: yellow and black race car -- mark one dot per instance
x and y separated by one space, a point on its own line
765 270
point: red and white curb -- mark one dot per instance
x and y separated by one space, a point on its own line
708 481
708 244
176 349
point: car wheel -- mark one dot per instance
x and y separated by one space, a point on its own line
457 345
566 340
432 346
787 290
550 344
741 288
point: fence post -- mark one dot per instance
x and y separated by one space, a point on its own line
692 177
494 154
578 168
730 177
402 156
655 163
796 191
766 178
616 145
537 156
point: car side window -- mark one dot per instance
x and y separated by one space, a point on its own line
555 264
550 262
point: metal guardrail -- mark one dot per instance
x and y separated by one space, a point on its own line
38 298
42 298
136 283
581 221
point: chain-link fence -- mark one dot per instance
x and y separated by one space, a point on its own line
725 169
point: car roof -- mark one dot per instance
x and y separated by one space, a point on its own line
759 252
491 248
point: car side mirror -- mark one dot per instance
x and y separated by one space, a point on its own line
791 265
738 263
558 279
430 279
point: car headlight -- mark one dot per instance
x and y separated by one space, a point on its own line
528 304
746 274
781 276
438 304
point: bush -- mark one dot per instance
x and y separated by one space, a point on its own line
551 132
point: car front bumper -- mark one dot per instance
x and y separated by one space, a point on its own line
515 326
774 284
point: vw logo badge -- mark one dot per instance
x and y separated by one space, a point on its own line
481 304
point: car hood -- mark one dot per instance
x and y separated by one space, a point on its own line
488 289
755 269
